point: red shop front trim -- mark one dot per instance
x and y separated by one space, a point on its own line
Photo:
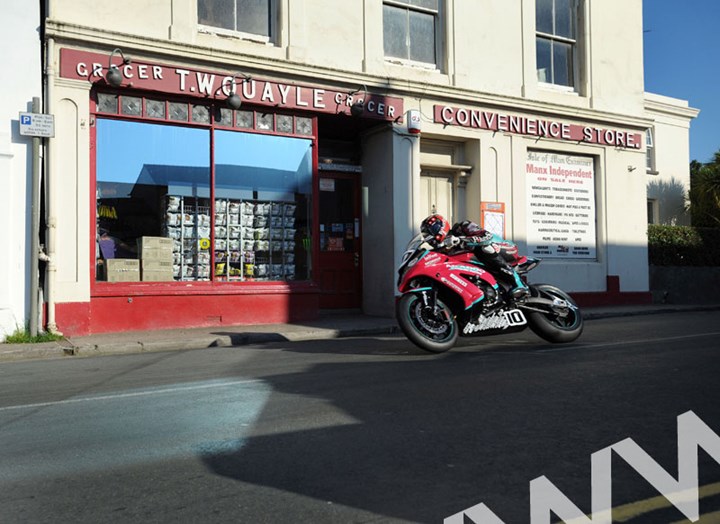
146 306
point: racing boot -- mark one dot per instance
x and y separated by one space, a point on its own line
518 289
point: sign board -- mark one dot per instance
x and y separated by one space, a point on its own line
37 124
561 205
492 217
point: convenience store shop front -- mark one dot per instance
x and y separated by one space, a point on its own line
201 214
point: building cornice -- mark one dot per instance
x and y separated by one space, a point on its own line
670 106
191 54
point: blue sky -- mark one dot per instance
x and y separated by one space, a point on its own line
682 60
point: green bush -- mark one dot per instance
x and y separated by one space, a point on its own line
683 246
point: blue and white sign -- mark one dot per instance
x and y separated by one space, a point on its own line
37 124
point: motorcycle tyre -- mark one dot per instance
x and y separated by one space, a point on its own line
542 326
417 338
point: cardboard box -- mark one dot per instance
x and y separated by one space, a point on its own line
156 270
122 270
151 253
155 243
157 275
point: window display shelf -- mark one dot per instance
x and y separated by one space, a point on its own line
254 240
187 222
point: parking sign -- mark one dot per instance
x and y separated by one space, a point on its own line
37 124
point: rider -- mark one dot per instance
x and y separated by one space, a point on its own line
487 248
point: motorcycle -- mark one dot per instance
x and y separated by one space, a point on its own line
446 292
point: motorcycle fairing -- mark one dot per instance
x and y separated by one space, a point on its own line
451 272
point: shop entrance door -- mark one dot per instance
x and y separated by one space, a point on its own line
339 265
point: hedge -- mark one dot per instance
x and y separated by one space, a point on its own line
683 246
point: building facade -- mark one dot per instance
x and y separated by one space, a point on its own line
223 162
667 153
21 84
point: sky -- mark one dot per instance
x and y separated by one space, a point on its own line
682 60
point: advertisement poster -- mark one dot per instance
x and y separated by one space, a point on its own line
492 217
561 205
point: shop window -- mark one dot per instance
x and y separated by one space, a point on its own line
155 217
252 17
263 186
412 30
556 25
152 181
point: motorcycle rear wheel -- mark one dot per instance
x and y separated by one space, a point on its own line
551 326
435 330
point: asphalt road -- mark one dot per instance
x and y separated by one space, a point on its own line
355 430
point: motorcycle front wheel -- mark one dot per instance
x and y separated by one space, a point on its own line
432 329
559 326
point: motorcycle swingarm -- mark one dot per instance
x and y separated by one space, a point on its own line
544 305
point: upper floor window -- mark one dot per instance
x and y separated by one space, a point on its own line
556 41
254 17
411 30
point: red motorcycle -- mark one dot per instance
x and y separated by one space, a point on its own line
447 292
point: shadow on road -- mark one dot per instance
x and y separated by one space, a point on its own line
420 439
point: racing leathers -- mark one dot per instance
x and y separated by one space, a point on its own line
493 252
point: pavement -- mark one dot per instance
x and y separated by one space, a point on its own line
327 326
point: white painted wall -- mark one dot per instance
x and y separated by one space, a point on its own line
490 54
670 183
21 62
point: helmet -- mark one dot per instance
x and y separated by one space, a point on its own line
435 226
467 228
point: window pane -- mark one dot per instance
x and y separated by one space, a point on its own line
263 187
544 16
253 16
285 124
395 24
562 64
200 114
265 121
153 180
422 37
224 116
244 119
131 105
564 25
544 60
107 103
217 13
155 108
178 111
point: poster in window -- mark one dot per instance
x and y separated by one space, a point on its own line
492 217
561 218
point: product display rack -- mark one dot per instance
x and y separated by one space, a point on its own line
254 240
187 222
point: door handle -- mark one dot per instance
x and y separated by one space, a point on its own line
356 259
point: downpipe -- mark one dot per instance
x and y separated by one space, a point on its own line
49 256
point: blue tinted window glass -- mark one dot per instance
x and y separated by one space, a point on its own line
263 187
152 180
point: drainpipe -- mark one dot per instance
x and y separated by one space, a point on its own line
51 220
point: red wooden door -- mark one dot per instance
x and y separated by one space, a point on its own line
339 264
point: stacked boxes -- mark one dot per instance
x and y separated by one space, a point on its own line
122 270
156 258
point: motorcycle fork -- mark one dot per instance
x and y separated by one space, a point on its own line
429 298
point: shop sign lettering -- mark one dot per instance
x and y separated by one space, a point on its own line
523 125
92 67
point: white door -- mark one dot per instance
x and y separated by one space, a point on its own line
437 195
